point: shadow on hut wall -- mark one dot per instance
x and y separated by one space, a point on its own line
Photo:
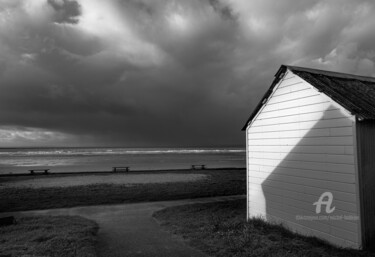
320 161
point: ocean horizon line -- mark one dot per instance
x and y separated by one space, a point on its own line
124 147
84 151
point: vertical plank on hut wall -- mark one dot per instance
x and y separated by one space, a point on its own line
356 154
247 176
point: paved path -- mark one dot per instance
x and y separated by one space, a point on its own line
130 230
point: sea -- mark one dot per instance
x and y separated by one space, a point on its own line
20 160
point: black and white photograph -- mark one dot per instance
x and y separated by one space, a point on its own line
187 128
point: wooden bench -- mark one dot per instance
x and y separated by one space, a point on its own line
33 171
195 167
6 221
114 169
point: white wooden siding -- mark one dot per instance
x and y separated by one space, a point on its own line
299 146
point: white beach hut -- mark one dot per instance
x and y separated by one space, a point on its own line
311 155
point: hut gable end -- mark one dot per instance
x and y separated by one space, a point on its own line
301 144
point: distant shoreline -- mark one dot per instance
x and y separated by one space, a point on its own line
124 147
51 173
78 160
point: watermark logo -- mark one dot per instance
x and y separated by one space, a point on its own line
327 203
325 200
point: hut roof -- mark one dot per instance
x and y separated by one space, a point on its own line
355 93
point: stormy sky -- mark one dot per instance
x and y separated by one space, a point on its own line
139 73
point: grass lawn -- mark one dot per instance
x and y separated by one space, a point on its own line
49 236
220 229
219 183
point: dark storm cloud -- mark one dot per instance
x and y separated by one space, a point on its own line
67 11
173 73
224 10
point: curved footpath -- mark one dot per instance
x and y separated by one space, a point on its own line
130 230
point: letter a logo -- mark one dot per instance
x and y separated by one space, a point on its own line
327 203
